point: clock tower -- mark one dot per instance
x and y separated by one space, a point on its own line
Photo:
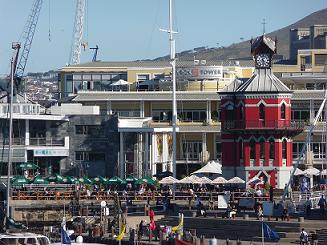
257 130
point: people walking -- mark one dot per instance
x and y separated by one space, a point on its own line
322 204
314 238
303 237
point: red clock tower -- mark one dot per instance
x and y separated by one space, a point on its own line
257 129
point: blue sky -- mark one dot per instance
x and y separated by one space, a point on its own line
129 29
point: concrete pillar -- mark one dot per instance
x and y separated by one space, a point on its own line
208 111
121 169
204 147
27 132
141 108
109 108
146 167
153 149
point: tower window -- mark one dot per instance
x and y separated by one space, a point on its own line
252 149
283 111
262 111
271 149
284 148
241 112
262 149
241 149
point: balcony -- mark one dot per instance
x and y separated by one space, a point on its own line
27 109
279 125
47 142
15 141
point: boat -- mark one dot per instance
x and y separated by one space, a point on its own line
23 238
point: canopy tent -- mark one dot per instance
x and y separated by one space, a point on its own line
298 172
219 180
311 171
40 181
169 180
212 167
19 180
236 180
120 82
28 166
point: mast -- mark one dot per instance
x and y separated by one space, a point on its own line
173 78
16 47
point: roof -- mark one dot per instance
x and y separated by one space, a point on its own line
232 87
263 41
263 80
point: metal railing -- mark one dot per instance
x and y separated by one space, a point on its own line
263 124
47 142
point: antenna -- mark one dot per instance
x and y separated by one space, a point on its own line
264 26
94 59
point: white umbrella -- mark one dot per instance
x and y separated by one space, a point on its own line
186 180
205 180
212 167
324 172
298 172
236 180
195 179
219 180
168 180
312 171
119 83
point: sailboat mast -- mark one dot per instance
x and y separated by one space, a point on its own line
173 76
16 47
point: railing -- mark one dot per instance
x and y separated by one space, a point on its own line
47 142
15 141
28 109
263 124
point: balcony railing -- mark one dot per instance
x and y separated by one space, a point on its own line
15 141
47 142
28 109
263 124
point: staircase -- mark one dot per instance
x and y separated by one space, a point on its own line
322 236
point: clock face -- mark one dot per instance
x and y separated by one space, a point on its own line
262 60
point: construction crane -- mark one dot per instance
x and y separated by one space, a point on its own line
76 45
27 39
94 59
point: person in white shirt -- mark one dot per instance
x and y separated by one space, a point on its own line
303 237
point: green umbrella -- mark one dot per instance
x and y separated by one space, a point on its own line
131 179
20 180
39 180
70 180
85 180
100 179
55 178
116 181
28 165
148 180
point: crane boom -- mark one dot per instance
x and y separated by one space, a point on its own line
75 52
27 37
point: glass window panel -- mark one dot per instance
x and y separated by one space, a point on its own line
86 77
106 77
203 115
69 87
77 77
96 77
77 86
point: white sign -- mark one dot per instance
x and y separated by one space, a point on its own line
199 72
51 152
222 201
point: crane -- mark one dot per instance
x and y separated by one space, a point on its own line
27 37
75 51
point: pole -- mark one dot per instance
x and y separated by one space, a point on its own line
262 232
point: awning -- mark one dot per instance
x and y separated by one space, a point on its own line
212 167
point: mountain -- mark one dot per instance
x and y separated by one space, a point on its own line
242 50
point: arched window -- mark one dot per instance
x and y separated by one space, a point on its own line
262 149
230 113
283 111
241 112
262 111
284 148
241 149
252 149
271 149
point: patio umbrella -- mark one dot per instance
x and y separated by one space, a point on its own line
148 180
212 167
100 179
311 171
20 180
85 180
195 179
55 178
70 180
186 180
236 180
115 181
40 181
28 166
298 172
219 181
131 179
169 180
205 180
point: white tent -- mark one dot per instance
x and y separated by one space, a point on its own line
219 180
120 82
324 172
212 167
311 171
236 180
298 172
168 180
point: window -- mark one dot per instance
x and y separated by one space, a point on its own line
192 150
241 149
89 156
192 115
93 130
283 111
262 149
271 149
143 77
284 149
262 111
230 113
252 149
241 112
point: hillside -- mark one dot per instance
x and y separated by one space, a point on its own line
242 50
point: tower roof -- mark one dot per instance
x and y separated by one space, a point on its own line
263 43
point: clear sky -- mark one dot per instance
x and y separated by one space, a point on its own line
129 29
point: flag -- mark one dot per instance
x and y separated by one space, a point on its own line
65 239
269 233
